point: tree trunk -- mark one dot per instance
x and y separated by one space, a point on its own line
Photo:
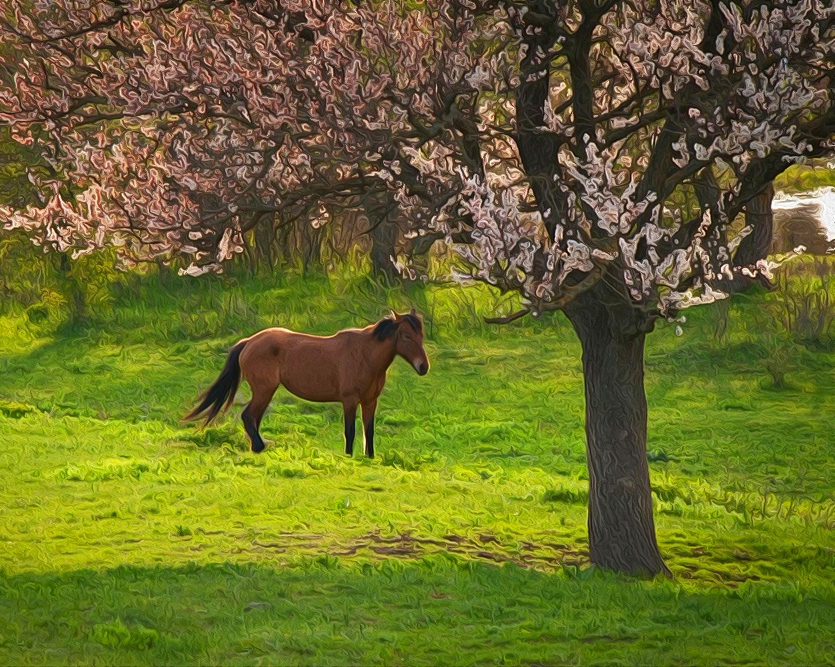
285 243
384 232
759 215
74 290
311 240
757 245
263 237
621 528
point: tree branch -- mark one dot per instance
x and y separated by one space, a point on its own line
507 319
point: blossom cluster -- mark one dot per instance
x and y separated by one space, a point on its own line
546 142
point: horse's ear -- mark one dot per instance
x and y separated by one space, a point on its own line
394 315
413 311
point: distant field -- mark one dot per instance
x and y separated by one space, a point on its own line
129 538
802 178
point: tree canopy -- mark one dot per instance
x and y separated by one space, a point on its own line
547 142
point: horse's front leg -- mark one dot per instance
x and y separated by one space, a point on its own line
350 426
368 410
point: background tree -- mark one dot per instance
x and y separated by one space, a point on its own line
549 144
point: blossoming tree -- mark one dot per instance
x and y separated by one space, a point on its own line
594 156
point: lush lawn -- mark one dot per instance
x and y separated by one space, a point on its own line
128 537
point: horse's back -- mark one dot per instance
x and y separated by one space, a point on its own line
307 365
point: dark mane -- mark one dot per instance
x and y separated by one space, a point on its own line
387 327
414 320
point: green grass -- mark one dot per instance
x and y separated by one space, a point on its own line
130 538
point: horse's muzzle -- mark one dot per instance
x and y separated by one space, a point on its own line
422 368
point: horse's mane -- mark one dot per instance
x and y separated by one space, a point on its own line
386 327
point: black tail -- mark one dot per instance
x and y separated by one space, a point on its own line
223 390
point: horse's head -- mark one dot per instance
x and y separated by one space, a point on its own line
407 333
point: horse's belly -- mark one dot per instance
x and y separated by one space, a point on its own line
311 393
310 380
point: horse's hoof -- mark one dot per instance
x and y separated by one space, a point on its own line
263 446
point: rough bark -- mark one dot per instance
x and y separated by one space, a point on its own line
620 521
538 149
74 290
311 242
757 245
264 243
759 215
384 233
621 529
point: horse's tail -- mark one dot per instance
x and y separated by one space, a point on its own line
223 390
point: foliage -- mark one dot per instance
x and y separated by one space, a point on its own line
546 142
804 301
804 178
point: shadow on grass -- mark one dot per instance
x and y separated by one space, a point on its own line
434 611
82 376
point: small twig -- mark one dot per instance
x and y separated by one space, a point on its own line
507 319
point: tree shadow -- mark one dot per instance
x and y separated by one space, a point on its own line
80 375
432 611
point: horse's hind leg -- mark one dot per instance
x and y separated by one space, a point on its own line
262 394
260 370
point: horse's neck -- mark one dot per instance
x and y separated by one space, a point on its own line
380 354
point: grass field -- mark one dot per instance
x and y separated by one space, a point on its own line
129 538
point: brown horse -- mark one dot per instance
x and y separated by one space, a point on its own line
348 367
